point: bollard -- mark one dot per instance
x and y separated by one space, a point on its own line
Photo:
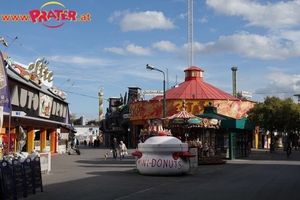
135 170
193 161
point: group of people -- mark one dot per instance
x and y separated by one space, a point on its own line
118 148
96 144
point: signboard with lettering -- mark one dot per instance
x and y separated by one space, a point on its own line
41 70
18 178
37 173
37 104
7 180
246 94
18 113
28 176
152 92
4 90
45 159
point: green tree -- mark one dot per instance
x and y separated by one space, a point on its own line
93 122
77 121
72 117
275 114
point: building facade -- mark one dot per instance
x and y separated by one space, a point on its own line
32 104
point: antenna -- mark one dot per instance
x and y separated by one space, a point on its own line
190 33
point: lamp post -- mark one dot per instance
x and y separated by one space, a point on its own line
128 137
164 86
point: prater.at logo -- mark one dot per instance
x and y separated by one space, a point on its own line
57 15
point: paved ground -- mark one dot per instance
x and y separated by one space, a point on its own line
262 175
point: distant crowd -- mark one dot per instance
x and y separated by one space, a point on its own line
96 143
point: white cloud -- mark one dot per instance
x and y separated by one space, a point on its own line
130 49
182 15
141 21
202 20
251 46
282 14
281 85
116 50
79 60
165 46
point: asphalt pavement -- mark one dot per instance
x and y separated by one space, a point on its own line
262 175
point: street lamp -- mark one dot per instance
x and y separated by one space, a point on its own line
164 86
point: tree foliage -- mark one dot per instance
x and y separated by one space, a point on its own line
72 117
276 114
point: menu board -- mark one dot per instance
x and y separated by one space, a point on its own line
7 180
28 176
37 173
18 178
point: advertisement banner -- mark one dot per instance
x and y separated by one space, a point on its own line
4 90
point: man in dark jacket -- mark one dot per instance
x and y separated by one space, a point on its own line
114 148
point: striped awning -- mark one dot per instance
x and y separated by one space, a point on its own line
183 115
156 128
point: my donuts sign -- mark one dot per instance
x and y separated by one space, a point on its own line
51 14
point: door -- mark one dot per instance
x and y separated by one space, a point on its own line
232 146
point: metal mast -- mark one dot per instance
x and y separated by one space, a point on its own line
234 84
190 33
167 78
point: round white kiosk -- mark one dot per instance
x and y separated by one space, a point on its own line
163 155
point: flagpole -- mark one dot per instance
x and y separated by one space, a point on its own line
9 123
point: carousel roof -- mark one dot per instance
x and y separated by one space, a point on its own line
183 115
195 88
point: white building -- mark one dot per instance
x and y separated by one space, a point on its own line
86 132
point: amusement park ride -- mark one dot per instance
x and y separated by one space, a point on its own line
116 123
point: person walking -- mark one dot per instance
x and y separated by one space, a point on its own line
123 149
114 148
288 148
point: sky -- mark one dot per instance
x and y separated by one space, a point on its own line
109 51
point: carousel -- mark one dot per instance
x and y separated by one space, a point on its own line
197 132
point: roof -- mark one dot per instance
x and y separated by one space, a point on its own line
195 88
182 114
210 112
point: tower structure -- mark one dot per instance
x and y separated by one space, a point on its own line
234 85
190 33
101 95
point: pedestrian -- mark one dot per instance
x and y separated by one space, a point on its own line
114 148
288 148
123 149
85 143
205 148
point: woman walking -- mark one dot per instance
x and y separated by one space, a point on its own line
123 149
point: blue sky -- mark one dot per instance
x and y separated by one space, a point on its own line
111 51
